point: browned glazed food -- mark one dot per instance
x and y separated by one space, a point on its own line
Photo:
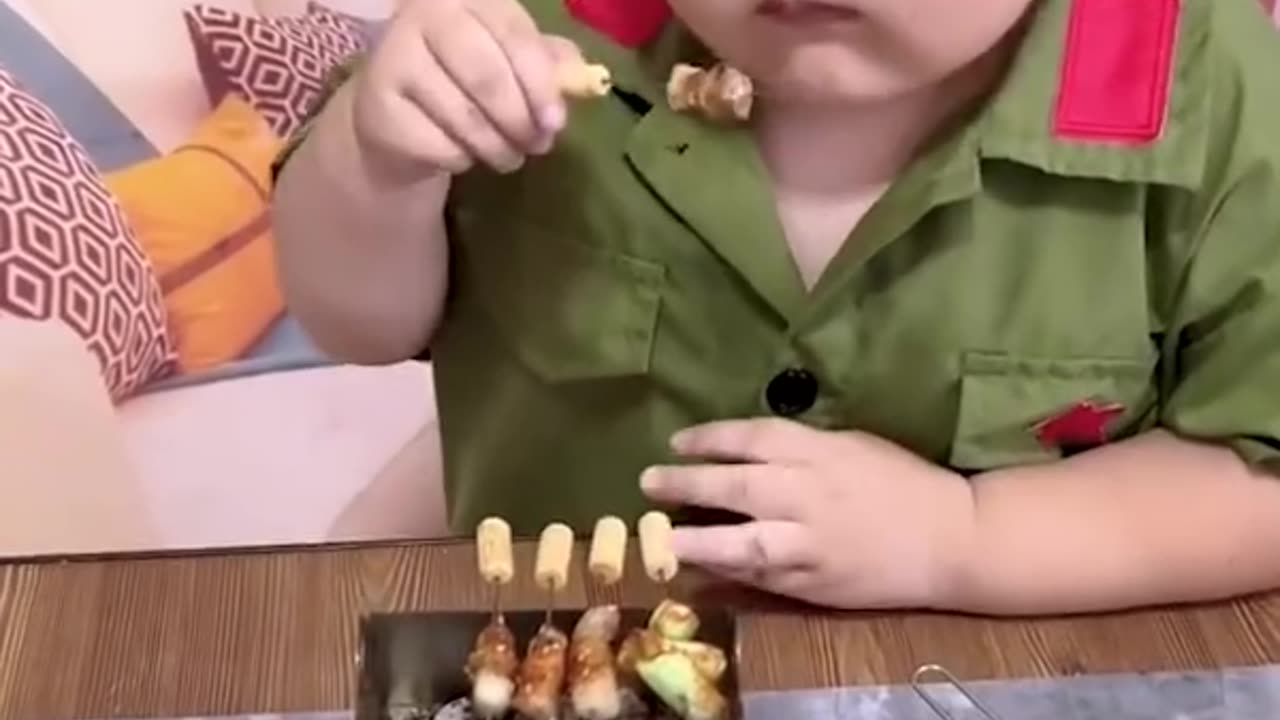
541 676
720 94
593 680
491 667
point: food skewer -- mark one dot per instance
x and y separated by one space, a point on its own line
495 559
582 81
594 692
665 655
551 567
492 664
608 552
541 676
660 562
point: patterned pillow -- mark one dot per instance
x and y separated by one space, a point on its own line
337 19
66 250
278 64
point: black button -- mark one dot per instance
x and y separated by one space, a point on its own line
791 392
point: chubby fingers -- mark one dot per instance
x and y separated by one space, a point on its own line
766 492
766 440
461 120
491 80
750 552
534 59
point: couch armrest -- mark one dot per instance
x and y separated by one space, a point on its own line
66 481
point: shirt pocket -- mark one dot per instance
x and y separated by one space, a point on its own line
569 311
1003 398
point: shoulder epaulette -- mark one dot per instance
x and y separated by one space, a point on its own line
1117 70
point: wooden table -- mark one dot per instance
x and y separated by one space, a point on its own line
272 631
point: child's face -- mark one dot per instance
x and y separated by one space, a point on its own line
849 50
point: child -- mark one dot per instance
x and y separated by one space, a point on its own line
979 312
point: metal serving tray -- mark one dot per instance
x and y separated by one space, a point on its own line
411 664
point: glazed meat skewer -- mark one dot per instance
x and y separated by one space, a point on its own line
491 666
593 680
541 677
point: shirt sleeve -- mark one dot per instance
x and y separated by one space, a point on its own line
336 78
1224 362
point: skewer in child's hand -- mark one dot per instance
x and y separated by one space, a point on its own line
581 80
441 92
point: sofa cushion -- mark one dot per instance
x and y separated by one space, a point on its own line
277 63
50 71
67 251
202 214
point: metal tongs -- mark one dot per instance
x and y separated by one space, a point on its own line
920 681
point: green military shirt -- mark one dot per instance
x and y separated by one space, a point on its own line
636 281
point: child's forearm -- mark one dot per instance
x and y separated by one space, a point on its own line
1153 520
363 255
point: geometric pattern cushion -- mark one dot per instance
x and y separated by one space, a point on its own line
334 18
278 64
66 250
370 28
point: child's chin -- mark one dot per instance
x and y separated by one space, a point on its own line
804 91
830 78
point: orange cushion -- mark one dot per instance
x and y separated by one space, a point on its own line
202 215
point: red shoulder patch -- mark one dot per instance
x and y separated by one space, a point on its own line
1117 68
632 23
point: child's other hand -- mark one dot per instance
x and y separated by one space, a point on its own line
841 519
459 82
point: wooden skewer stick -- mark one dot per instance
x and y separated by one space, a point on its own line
551 569
660 562
494 558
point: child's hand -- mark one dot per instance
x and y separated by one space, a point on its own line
456 82
840 519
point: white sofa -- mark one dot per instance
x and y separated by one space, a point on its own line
328 454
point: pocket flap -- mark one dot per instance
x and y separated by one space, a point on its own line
1004 398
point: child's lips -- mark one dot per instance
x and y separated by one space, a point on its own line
804 12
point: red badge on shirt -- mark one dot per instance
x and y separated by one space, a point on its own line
631 23
1084 424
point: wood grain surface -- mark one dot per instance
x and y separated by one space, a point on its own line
274 631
